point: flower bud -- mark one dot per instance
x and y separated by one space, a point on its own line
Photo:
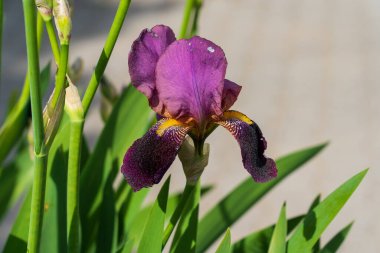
45 8
52 117
192 162
62 17
73 104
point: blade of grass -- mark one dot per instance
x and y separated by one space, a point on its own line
244 196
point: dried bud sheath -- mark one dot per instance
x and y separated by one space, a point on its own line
62 17
45 8
192 162
73 104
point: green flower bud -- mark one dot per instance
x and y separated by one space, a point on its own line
52 117
62 17
73 104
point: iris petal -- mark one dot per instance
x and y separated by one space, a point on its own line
143 58
190 79
252 145
231 92
149 157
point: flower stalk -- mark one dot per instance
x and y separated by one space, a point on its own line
106 54
74 109
40 159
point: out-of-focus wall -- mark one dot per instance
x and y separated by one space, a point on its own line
309 71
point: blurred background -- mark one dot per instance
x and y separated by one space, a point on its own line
310 71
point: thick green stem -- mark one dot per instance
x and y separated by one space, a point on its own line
53 40
73 221
186 18
1 33
177 213
39 183
197 9
106 54
60 81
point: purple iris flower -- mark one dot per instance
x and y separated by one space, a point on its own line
184 81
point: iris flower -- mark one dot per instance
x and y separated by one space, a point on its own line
184 81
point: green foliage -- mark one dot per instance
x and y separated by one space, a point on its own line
225 245
244 196
278 241
317 220
112 217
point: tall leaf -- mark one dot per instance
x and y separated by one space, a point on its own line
309 231
186 233
225 245
278 241
244 196
334 244
151 240
128 121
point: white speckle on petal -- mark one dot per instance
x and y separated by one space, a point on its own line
189 43
211 49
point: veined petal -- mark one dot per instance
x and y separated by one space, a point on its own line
143 58
231 92
190 77
252 145
147 160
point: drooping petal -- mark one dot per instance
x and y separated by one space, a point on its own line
231 91
143 58
190 77
149 157
252 145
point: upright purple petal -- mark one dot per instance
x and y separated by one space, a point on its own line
143 58
190 77
252 145
231 92
147 160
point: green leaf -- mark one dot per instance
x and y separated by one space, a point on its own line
334 244
258 242
151 240
15 178
244 196
225 245
17 119
186 233
128 246
53 237
128 121
309 231
278 241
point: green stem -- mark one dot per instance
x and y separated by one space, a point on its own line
1 33
186 18
60 81
177 213
73 221
197 10
39 182
53 40
106 53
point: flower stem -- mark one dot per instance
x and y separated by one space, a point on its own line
177 213
186 18
60 81
53 39
106 53
39 183
73 221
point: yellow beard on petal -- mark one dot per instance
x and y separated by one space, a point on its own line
169 123
237 115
